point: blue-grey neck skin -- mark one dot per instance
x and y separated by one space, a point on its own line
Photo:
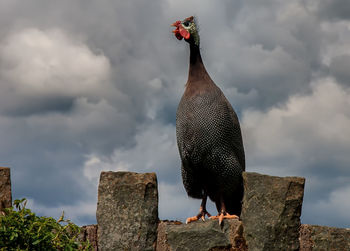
197 69
195 55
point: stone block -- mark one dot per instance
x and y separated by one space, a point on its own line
201 236
271 211
5 188
314 237
89 233
127 211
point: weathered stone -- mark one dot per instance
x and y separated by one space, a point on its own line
271 211
5 188
89 233
208 235
314 237
127 211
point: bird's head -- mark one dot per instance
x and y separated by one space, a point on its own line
187 29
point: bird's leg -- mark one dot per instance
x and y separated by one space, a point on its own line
202 211
222 213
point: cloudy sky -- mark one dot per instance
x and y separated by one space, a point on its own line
87 86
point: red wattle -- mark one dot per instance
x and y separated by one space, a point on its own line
184 33
178 35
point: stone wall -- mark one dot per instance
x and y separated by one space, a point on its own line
270 220
127 217
313 237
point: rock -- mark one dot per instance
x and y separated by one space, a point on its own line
127 211
271 211
200 235
5 188
314 237
89 233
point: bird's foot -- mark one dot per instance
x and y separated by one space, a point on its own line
224 215
201 215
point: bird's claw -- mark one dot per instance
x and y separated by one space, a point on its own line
201 215
221 218
224 215
190 219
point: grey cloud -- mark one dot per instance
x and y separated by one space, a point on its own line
305 137
40 69
339 67
271 50
339 215
154 150
334 9
263 54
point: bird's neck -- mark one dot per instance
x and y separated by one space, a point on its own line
197 70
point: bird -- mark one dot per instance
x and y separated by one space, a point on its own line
208 136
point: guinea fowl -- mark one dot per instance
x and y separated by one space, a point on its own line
208 137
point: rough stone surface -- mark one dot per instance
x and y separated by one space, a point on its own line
89 233
127 211
314 237
271 211
208 235
5 188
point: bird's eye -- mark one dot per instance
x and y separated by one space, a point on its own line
186 23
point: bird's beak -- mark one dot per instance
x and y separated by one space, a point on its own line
177 24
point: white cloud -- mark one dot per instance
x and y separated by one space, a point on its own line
154 150
305 125
307 136
47 64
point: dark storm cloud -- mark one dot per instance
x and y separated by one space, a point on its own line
334 9
339 68
272 49
93 120
87 86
